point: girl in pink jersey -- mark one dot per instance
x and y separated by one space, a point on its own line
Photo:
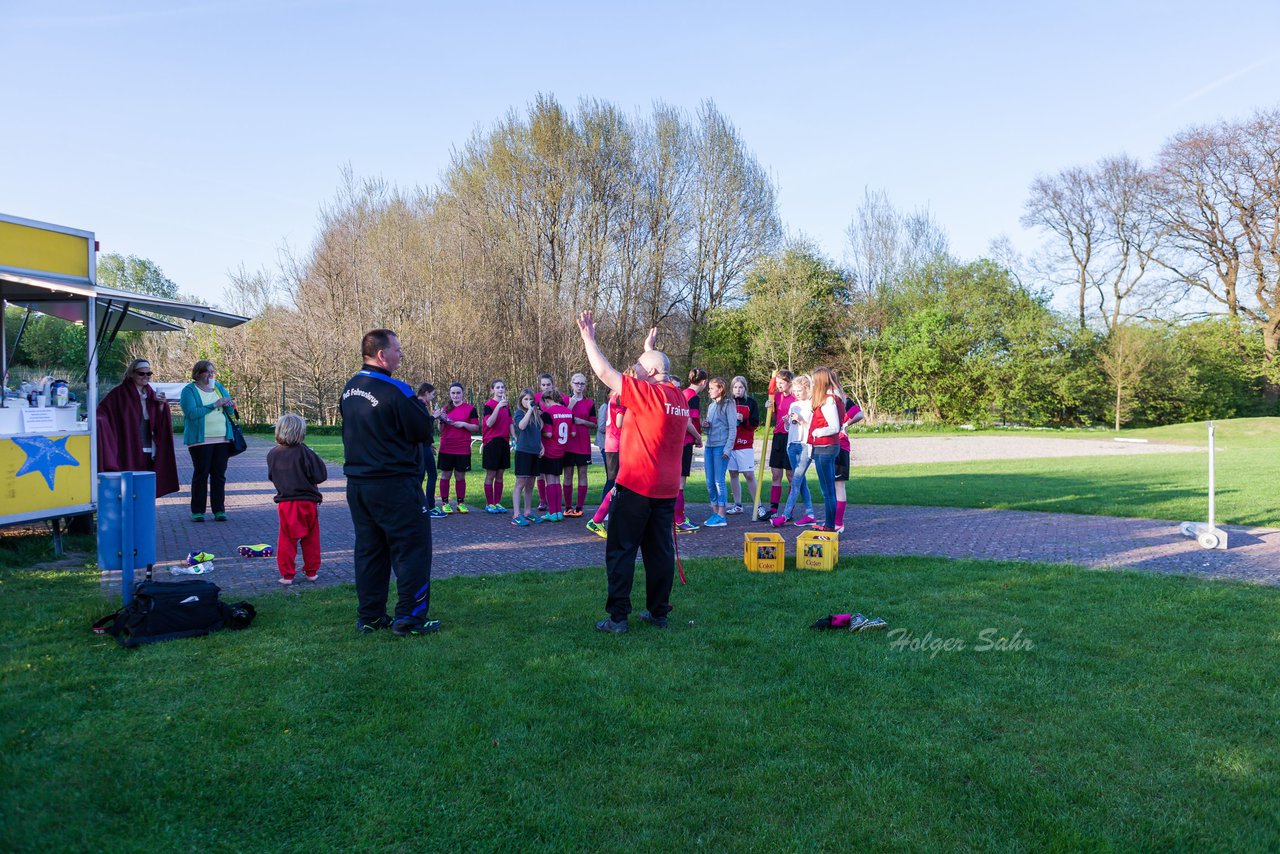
779 459
844 457
577 454
612 436
824 429
459 421
693 437
742 459
546 385
557 421
495 450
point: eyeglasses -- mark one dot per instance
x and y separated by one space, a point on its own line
143 373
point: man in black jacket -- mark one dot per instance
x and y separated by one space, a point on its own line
383 423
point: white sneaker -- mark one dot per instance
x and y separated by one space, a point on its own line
737 508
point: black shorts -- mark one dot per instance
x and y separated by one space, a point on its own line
610 466
453 462
551 466
526 464
778 458
842 464
573 459
496 454
686 461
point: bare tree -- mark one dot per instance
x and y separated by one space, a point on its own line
735 218
885 242
1063 205
1218 198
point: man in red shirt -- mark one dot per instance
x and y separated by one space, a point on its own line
642 515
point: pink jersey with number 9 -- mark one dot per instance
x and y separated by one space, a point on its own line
557 423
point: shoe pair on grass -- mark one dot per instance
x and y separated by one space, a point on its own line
400 628
860 623
619 627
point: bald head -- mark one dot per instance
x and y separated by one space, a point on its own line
656 365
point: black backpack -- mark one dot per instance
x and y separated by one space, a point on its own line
161 611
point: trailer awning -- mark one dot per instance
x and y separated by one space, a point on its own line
67 299
169 307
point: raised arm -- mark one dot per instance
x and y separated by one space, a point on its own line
607 373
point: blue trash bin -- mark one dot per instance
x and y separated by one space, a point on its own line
127 524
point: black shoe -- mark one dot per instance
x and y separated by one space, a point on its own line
614 628
656 622
405 628
764 514
368 627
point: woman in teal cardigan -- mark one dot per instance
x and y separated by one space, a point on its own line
206 431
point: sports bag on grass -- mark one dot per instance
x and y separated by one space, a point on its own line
161 611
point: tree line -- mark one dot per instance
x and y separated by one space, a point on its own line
666 218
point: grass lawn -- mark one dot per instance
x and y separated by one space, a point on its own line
1143 715
1155 486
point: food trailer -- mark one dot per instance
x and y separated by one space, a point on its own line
48 455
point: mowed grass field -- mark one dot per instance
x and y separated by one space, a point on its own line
1080 710
1156 486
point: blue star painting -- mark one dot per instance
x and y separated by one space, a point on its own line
44 455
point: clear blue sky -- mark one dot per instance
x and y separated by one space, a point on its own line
206 135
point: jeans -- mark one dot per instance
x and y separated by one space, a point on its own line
825 463
798 453
715 464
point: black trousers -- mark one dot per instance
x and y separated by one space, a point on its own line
392 530
429 473
639 522
209 480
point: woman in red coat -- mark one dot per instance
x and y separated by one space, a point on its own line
135 430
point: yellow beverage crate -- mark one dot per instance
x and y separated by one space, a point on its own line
764 552
817 550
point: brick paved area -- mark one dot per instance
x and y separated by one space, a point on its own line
480 543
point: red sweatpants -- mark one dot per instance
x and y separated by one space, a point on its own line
299 520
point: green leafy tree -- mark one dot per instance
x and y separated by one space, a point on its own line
966 342
724 342
793 301
1124 357
131 273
